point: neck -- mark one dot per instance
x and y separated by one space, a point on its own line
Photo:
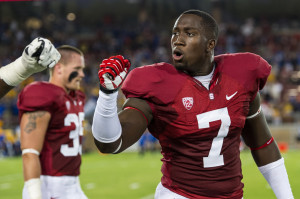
59 84
204 70
206 66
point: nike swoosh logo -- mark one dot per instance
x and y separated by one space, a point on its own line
231 96
269 142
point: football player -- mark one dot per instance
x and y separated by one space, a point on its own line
37 56
197 108
52 115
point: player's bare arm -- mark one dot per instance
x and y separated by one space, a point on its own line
33 129
121 130
114 132
134 118
4 88
265 151
256 133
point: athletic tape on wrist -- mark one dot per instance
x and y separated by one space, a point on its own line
9 73
33 187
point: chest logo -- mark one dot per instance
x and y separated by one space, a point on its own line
231 96
188 102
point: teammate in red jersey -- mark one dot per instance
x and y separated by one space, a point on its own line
197 108
51 115
36 57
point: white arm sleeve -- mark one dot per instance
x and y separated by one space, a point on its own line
106 125
276 175
9 73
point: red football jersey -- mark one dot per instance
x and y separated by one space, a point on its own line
61 153
199 129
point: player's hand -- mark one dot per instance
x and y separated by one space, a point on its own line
112 73
39 55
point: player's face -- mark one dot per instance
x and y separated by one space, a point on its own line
190 46
73 72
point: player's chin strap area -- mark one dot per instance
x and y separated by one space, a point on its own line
106 126
276 175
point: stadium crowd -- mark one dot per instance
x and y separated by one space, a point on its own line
144 43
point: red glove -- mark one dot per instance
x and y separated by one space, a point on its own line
112 73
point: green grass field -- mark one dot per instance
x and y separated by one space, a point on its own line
131 176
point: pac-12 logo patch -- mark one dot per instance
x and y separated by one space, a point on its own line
188 102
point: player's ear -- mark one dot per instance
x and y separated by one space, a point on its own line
58 68
211 45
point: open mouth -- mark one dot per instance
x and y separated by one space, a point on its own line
177 55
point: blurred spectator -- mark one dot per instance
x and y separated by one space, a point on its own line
144 41
148 143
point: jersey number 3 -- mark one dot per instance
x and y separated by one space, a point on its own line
214 157
74 135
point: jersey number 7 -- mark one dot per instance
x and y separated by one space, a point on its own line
214 157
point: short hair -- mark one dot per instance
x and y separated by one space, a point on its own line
65 52
207 21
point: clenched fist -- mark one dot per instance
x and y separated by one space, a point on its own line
40 54
37 56
112 73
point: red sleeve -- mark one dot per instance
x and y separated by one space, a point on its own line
36 96
249 69
258 73
263 72
158 83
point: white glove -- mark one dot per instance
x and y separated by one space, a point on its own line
37 56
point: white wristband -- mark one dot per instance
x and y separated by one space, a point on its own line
34 151
34 189
106 126
276 175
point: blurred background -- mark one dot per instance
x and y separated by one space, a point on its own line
141 30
